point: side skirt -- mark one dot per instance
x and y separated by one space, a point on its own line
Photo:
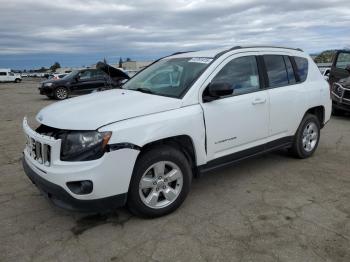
245 154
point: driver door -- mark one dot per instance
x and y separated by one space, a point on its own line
239 121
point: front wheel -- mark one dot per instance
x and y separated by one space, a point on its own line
307 137
160 183
61 93
17 80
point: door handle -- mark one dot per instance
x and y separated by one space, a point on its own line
258 101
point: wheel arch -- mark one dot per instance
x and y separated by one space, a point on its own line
319 112
183 143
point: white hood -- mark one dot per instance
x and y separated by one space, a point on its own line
89 112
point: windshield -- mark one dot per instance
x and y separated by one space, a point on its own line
168 77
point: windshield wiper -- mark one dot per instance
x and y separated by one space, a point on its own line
144 90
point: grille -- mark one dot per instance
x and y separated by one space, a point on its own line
338 90
346 94
39 151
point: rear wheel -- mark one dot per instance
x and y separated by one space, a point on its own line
160 183
307 137
61 93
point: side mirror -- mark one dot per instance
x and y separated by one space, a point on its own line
218 89
76 78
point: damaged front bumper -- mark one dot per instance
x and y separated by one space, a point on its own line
109 176
61 198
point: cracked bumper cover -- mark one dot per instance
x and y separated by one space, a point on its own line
61 198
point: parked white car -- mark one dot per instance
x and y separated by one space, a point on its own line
7 76
143 144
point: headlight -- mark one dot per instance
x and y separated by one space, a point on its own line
84 145
47 84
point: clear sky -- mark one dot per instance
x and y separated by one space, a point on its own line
75 33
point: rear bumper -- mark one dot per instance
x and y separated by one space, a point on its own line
61 198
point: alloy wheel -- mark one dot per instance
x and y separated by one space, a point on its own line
310 136
61 93
160 184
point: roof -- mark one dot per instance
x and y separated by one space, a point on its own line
217 52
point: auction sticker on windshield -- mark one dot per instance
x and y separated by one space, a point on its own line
202 60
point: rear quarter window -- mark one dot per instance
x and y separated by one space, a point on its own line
302 67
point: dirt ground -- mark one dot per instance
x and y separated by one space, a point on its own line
271 208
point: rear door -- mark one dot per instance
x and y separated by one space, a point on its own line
282 89
85 82
101 79
340 63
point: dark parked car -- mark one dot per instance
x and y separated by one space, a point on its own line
84 81
339 79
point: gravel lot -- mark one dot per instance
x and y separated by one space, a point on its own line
271 208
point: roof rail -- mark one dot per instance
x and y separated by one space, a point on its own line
271 46
183 52
228 50
256 46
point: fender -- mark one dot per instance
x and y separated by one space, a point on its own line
143 130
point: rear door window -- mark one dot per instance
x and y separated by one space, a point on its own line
276 70
302 67
98 74
85 75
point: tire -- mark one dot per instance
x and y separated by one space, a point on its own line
17 80
160 194
61 93
305 141
337 112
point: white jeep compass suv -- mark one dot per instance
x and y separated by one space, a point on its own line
184 114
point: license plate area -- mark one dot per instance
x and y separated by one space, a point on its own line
38 151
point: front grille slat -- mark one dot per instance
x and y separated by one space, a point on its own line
40 147
39 151
346 94
46 154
